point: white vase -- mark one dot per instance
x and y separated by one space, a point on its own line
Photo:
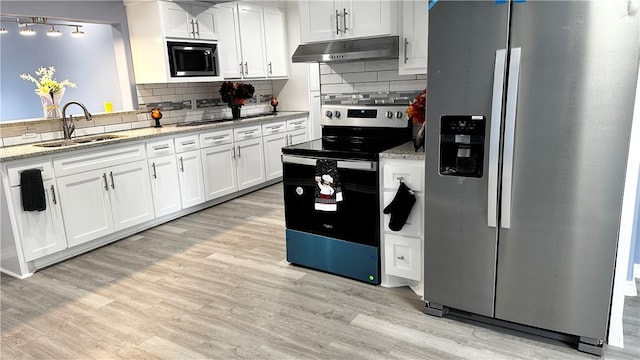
51 104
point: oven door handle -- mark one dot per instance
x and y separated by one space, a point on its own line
342 164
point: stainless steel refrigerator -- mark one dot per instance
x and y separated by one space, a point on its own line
529 111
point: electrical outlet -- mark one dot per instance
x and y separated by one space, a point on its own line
29 134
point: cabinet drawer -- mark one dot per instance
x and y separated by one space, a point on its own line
216 138
413 226
187 143
273 128
403 257
78 163
245 133
296 124
160 148
410 172
15 170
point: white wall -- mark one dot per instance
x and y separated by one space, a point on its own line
293 94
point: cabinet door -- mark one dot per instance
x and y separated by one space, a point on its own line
413 42
368 18
403 256
275 41
273 145
229 43
164 185
297 136
190 177
130 194
41 232
175 20
320 20
86 206
204 18
252 40
218 168
250 163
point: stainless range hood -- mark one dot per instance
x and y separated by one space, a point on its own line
347 50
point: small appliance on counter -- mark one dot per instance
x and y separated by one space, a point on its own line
331 190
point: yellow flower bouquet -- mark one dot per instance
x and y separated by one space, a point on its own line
49 90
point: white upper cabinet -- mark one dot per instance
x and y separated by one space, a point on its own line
153 23
252 41
413 40
275 33
323 20
187 21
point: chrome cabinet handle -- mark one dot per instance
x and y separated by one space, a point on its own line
53 195
162 147
193 29
494 138
113 184
188 142
106 185
290 139
241 69
198 27
401 257
233 152
153 166
181 164
344 20
246 68
270 68
337 26
406 43
238 151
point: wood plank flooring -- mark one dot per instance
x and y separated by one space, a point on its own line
215 285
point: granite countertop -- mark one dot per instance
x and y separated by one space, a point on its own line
404 151
32 150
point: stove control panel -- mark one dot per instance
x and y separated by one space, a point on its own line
365 116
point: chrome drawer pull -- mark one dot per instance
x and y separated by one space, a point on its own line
53 194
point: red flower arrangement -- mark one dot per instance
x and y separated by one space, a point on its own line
236 93
416 109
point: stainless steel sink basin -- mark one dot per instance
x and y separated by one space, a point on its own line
80 140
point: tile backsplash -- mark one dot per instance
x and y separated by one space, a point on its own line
180 102
370 76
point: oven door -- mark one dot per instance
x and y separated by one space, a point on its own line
356 219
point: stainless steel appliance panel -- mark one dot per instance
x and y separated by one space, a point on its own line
578 72
463 39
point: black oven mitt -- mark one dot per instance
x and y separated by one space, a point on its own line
400 207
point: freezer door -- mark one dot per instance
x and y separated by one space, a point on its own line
578 71
460 247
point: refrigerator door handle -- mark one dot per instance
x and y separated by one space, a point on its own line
494 137
509 138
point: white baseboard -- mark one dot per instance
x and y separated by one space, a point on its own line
11 273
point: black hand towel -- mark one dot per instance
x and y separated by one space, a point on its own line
32 190
400 207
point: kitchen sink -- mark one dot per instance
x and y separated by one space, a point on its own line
80 140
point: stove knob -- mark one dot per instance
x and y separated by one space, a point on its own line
337 114
389 114
328 114
399 114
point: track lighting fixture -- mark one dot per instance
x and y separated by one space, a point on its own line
25 26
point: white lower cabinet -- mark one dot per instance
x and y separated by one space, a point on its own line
402 250
41 232
97 201
250 162
274 138
190 178
218 163
164 185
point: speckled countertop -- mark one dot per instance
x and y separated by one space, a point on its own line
404 151
32 150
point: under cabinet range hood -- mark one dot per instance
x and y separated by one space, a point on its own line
347 50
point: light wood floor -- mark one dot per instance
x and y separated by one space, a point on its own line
214 285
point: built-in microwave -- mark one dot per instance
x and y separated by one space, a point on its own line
193 59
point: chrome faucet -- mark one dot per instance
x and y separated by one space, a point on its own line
67 125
